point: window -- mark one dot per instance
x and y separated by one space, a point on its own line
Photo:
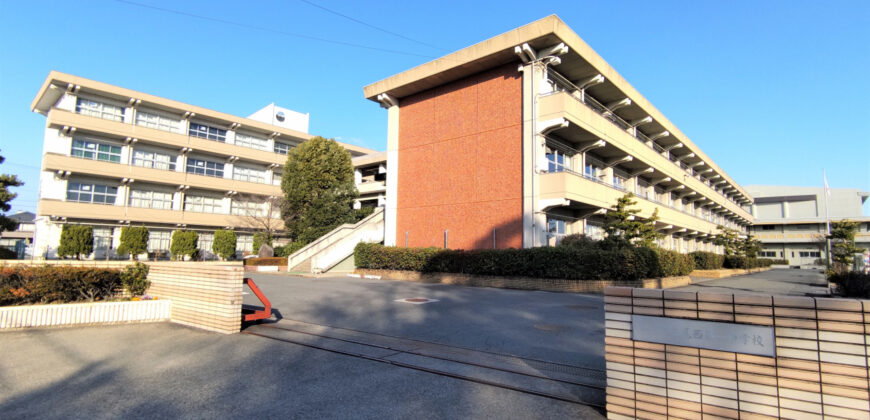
205 167
594 230
98 109
282 148
84 192
154 160
810 254
276 178
242 173
767 254
204 244
102 238
555 227
805 227
202 204
590 171
618 181
252 142
245 243
556 162
768 227
151 199
159 121
88 149
207 132
248 208
158 240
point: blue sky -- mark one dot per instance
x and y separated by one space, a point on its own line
773 91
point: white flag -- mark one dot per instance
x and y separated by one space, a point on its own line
827 189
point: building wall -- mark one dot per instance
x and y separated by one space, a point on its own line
460 148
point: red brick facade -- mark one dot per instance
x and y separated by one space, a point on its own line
460 163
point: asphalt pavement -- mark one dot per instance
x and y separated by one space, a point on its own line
778 281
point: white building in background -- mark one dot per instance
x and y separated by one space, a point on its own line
790 222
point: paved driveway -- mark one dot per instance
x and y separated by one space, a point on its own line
558 327
774 282
166 371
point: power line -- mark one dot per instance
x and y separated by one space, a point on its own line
276 31
371 26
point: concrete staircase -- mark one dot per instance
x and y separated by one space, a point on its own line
334 251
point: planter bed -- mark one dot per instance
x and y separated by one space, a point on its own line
726 272
524 283
90 313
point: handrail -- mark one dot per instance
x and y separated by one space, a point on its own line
377 211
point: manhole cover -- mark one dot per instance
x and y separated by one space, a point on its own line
417 300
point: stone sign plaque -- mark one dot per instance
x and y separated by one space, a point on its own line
737 338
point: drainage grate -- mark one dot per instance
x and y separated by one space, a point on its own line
417 300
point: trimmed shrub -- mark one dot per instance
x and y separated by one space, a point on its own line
735 261
134 277
224 244
266 261
49 284
76 241
707 260
134 241
289 249
183 244
562 262
852 284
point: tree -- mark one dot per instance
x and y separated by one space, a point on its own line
134 277
261 238
750 246
224 243
624 227
260 217
7 181
319 189
76 241
134 241
843 248
729 239
183 244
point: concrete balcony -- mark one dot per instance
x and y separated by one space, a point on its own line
79 166
563 105
87 124
374 187
576 188
113 214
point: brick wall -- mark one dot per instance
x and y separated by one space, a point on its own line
207 296
460 163
820 368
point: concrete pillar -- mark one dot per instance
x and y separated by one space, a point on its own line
392 174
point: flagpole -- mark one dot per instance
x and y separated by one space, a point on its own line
827 220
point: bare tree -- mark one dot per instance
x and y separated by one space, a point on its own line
259 213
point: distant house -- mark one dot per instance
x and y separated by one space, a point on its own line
20 239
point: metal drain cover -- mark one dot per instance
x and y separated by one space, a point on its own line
417 300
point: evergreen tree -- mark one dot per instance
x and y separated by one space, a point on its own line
843 248
76 241
224 244
134 241
183 244
318 188
750 246
624 227
729 239
7 181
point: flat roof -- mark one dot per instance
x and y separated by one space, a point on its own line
43 102
539 34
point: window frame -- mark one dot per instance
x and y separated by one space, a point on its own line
83 150
204 131
191 167
92 193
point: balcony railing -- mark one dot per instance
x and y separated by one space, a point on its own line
561 84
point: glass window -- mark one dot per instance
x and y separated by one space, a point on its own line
555 227
242 173
102 238
590 171
203 204
282 148
158 240
207 132
159 121
618 181
151 199
99 109
768 227
84 192
252 141
594 230
810 254
767 254
205 167
245 243
556 162
204 244
248 208
276 178
89 149
154 160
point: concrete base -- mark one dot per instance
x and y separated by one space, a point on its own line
726 272
525 283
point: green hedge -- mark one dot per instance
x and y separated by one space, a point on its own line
707 260
734 261
8 254
562 262
852 284
56 284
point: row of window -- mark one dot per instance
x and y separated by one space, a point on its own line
159 240
164 122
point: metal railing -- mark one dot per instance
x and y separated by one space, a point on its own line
561 84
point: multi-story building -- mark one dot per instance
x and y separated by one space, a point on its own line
791 222
20 239
370 175
531 135
115 157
